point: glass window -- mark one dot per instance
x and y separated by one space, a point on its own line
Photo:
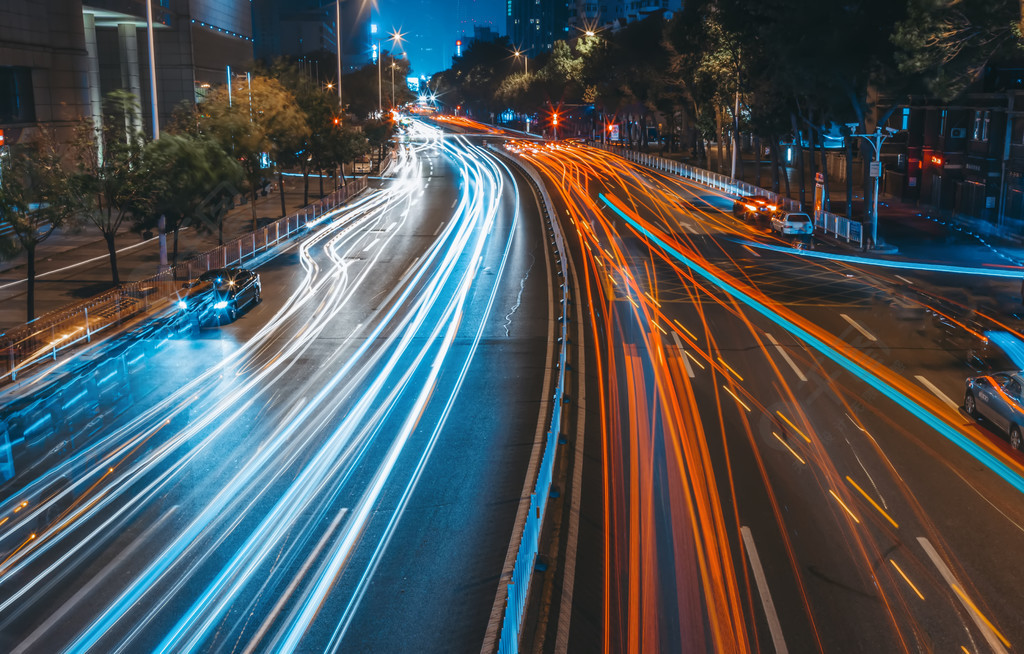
942 123
17 103
976 132
984 125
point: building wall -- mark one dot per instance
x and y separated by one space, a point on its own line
43 45
534 25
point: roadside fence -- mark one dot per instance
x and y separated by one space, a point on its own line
46 337
840 227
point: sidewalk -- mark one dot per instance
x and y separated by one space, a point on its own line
74 266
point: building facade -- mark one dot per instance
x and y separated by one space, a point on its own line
61 57
964 158
533 26
307 29
43 67
593 15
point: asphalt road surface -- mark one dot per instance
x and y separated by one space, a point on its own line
337 470
774 455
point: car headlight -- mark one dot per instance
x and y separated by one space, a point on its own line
221 305
182 304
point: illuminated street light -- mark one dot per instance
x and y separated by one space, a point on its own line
526 65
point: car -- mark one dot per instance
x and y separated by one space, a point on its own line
997 398
792 222
220 294
753 207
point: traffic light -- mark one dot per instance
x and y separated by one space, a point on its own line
554 119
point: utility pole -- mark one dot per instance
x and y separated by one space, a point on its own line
337 29
876 140
152 69
380 96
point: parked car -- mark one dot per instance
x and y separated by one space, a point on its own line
753 208
997 398
792 222
220 294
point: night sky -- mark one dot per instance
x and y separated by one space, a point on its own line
433 26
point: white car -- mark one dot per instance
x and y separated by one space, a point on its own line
786 222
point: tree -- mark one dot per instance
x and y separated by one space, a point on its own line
260 118
36 197
949 43
198 180
110 179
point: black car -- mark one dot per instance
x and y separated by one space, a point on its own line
219 294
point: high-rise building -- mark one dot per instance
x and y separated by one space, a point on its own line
533 26
305 29
61 57
587 15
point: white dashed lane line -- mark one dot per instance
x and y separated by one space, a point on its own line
856 325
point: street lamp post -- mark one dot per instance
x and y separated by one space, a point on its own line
526 63
876 140
337 28
380 97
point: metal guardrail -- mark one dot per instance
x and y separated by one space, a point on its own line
518 588
841 227
47 336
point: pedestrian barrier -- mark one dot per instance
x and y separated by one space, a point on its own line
44 338
841 227
517 588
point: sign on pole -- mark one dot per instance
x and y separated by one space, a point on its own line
876 168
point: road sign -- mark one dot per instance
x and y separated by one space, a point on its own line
876 169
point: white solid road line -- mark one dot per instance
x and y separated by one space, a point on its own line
686 362
785 355
856 325
939 394
762 589
993 639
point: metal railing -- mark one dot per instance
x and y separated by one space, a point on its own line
841 227
518 587
44 338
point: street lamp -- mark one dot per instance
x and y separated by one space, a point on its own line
393 66
337 27
876 140
526 65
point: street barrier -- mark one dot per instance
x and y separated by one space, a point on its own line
517 587
841 227
46 337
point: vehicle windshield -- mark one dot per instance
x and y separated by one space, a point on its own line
799 218
221 279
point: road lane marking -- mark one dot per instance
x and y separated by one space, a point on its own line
785 355
774 626
939 394
454 202
856 325
843 504
992 636
375 242
438 230
791 450
686 362
906 578
736 397
904 279
685 329
874 504
790 423
729 368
